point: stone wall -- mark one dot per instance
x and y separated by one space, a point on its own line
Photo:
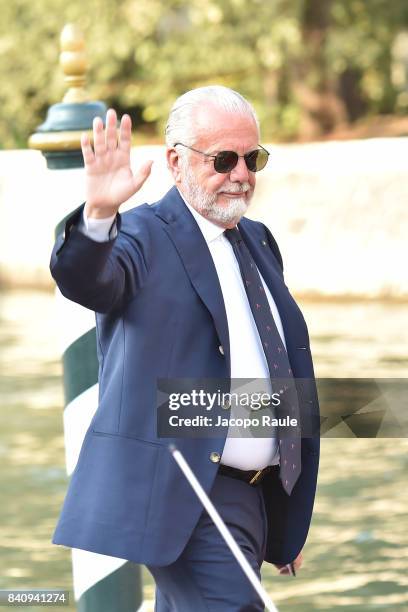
338 210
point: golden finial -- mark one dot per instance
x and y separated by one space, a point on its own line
59 137
73 63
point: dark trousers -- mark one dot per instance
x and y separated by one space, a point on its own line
206 577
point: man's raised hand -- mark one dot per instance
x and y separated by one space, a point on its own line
109 180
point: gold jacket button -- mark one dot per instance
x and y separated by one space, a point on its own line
215 457
226 405
221 349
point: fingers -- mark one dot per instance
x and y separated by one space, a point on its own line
298 561
283 569
125 134
142 175
111 138
98 137
106 139
87 151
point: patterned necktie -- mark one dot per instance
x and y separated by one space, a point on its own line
276 357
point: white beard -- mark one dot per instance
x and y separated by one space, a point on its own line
206 203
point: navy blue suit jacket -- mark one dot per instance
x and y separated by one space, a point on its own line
160 314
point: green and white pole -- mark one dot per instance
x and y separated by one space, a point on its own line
101 583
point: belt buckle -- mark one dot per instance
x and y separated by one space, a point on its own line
256 477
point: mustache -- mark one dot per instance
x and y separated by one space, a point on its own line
235 188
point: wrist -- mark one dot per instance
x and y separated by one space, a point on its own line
95 212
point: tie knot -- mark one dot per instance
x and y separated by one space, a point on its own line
233 235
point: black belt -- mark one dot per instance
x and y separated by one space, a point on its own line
251 477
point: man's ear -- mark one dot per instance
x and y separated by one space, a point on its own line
174 164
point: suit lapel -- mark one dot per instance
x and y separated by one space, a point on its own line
192 248
293 323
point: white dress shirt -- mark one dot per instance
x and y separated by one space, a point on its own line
247 356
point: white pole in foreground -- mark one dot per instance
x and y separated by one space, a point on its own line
222 528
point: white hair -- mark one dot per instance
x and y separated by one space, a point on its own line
180 124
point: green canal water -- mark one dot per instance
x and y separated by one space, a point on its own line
356 557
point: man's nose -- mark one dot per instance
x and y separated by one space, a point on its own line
240 173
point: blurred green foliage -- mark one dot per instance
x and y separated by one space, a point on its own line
307 65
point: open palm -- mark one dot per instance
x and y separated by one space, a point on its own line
109 178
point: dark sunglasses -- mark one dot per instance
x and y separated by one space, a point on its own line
225 161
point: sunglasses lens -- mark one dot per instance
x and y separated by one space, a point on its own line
256 160
225 161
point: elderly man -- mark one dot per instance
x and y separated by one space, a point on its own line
186 288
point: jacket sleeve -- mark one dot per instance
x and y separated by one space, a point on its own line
100 275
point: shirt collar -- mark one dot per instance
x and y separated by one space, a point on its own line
209 230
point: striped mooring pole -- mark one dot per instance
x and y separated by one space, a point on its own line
101 583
